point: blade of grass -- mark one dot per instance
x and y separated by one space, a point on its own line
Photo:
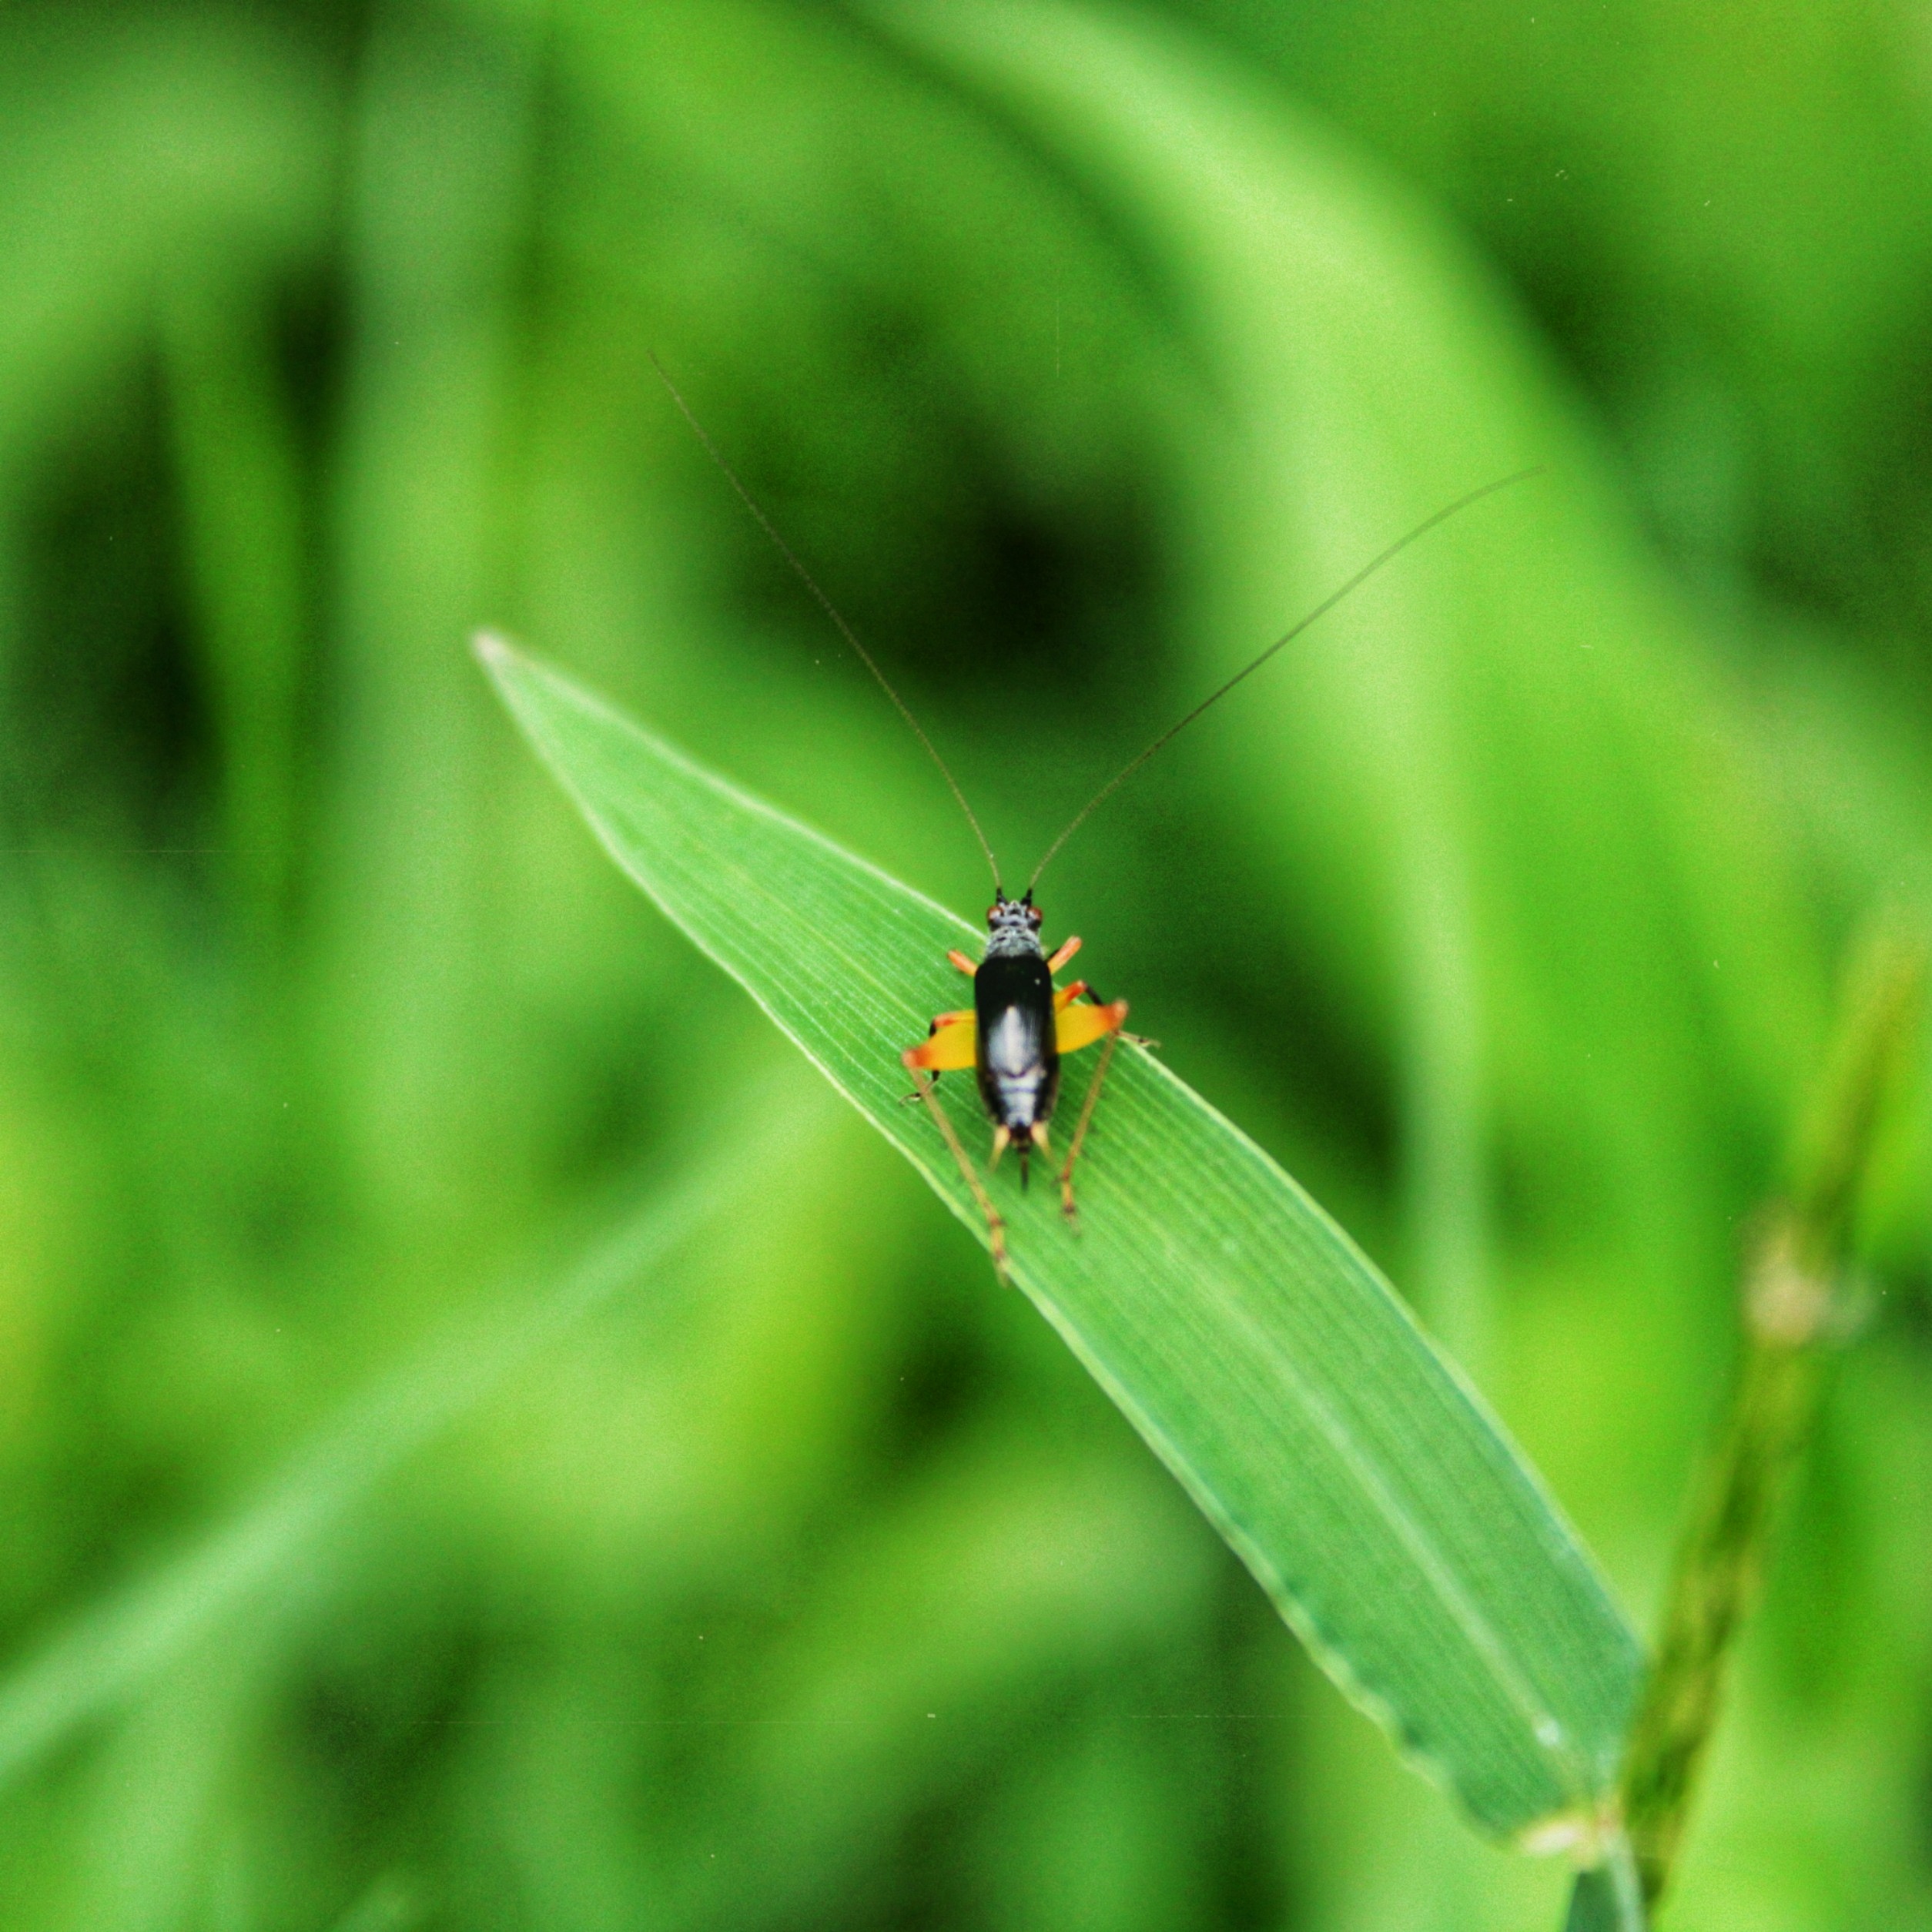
1254 1346
235 451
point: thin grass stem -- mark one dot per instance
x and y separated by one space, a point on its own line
1794 1307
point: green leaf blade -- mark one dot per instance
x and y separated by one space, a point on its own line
1253 1345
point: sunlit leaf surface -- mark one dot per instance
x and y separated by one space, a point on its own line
1250 1342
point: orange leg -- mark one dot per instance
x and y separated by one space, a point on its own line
1078 1026
996 1227
961 963
1068 948
1066 1207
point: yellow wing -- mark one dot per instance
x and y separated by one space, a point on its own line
954 1044
1079 1024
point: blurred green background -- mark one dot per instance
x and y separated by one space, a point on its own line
375 1559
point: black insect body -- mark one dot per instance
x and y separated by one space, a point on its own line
1020 1026
1017 1058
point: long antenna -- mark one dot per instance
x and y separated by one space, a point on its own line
1287 637
831 609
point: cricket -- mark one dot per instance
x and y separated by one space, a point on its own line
1020 1025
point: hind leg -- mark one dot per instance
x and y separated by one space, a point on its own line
996 1227
1079 1025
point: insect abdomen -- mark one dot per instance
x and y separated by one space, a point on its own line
1018 1059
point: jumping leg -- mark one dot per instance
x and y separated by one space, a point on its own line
1079 1025
996 1227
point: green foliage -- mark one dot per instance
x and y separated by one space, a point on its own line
1078 350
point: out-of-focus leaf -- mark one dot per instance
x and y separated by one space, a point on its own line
134 156
1249 1340
105 1658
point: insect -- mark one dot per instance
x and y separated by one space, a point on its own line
1020 1026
